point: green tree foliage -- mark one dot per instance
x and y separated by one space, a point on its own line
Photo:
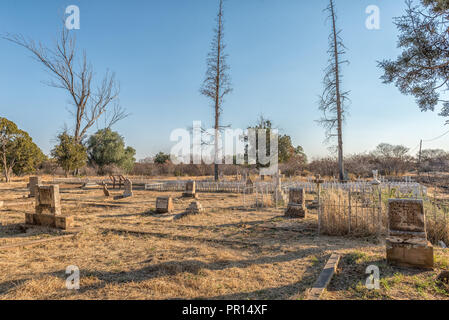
161 158
422 69
69 154
107 147
286 150
18 153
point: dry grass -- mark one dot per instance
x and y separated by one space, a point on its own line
126 252
395 283
357 215
437 223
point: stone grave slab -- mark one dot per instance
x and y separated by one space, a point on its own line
164 205
190 191
407 243
48 209
296 207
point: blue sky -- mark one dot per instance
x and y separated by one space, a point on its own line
157 48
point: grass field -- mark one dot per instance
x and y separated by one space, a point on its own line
124 251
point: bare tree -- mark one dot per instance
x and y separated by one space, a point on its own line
332 102
217 83
90 101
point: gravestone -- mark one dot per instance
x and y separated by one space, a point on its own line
407 243
296 204
128 188
164 205
105 190
279 196
195 208
48 200
190 191
33 183
48 209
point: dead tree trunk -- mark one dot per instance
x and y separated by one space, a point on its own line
341 168
333 99
217 82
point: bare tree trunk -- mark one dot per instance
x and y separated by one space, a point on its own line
217 84
339 108
217 81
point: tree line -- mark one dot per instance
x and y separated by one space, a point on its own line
105 153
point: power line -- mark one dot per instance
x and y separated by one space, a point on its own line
420 146
441 136
412 150
429 140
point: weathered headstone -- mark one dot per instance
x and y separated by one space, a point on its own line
33 183
297 204
190 191
105 190
128 188
195 208
48 209
48 200
164 205
407 243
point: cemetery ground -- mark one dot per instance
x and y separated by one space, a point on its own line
126 251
